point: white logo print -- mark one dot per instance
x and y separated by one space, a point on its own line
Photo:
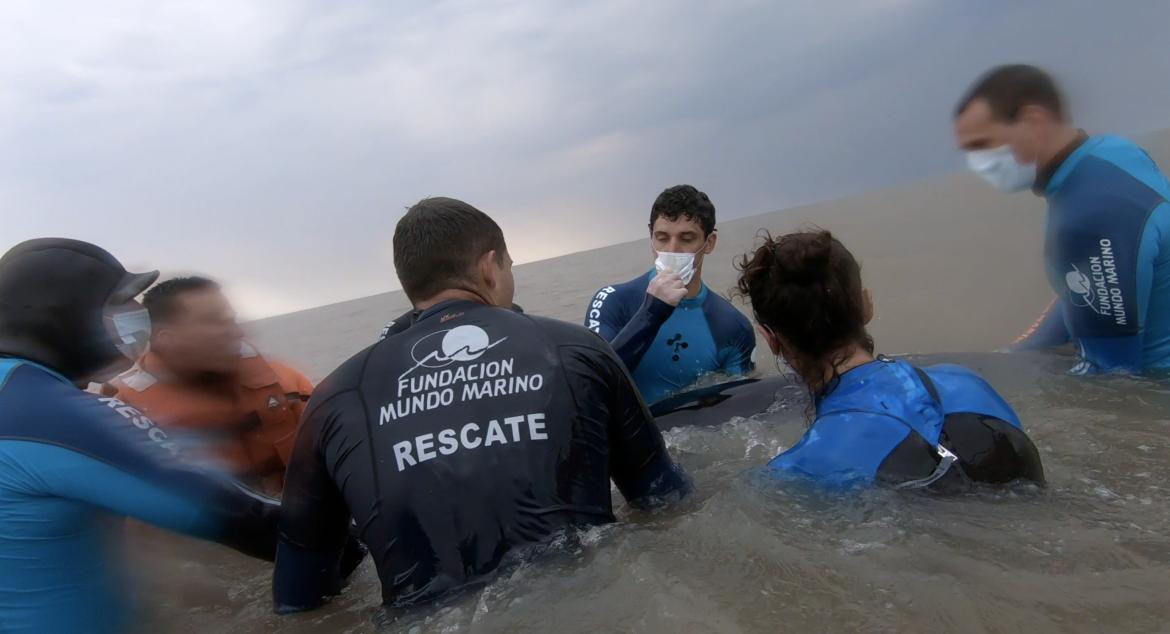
441 349
1081 286
455 373
594 315
139 420
1098 288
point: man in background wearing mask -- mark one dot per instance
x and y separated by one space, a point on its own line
200 376
666 325
1108 240
70 460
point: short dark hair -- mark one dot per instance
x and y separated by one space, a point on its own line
684 201
161 301
1007 89
437 243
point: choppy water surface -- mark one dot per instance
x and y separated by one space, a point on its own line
1089 553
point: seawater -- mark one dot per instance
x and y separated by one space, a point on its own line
1089 553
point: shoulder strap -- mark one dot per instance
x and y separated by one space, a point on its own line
946 458
931 389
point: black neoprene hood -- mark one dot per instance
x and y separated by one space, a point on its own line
53 293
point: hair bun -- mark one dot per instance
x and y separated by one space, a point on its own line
804 258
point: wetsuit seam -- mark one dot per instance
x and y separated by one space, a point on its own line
577 402
369 438
1125 173
586 346
8 376
655 307
327 399
867 411
21 362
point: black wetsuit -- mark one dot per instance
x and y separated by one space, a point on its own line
407 319
474 430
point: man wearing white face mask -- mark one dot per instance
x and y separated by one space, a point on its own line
1108 241
666 325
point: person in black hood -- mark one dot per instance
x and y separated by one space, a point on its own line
70 459
59 299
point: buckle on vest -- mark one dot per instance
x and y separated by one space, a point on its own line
946 459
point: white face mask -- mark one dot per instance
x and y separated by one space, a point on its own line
131 332
681 263
999 167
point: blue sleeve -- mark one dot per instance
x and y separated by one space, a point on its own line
842 450
231 514
610 409
639 463
629 327
1048 331
1123 353
108 454
162 502
737 354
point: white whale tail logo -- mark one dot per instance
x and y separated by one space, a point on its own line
462 343
1077 282
1080 284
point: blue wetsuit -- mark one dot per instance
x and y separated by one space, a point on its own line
665 347
884 422
72 463
1107 256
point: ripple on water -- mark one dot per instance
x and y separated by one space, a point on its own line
1091 552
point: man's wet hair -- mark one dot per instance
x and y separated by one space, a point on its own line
438 243
161 301
1007 89
684 201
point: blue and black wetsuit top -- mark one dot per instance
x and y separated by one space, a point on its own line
667 348
888 422
73 464
468 431
1107 256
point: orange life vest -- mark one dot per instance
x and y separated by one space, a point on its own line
250 424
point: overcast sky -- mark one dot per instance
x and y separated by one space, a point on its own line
275 144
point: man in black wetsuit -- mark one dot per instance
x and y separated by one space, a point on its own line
472 431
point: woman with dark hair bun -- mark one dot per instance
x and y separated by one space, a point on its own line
877 420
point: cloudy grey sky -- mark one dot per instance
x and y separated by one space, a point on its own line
275 144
